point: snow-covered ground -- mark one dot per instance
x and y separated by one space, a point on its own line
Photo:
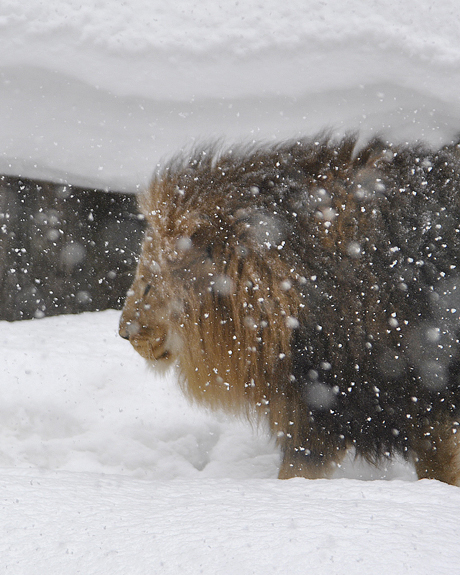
104 467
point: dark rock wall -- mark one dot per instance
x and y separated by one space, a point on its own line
64 249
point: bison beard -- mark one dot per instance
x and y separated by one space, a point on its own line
315 285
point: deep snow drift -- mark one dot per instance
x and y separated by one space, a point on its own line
97 94
105 468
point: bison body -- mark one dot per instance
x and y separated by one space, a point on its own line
315 284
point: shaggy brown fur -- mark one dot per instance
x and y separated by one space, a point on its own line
316 285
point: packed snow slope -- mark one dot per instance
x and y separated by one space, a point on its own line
106 469
97 93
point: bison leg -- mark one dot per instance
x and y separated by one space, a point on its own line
436 450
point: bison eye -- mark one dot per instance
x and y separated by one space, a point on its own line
148 287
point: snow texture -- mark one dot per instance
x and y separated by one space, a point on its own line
104 467
95 94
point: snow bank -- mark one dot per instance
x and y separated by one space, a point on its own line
76 397
105 468
191 49
95 94
65 523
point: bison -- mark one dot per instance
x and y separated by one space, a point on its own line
313 283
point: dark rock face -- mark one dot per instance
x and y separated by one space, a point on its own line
64 249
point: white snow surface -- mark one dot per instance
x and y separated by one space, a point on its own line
106 469
96 93
104 466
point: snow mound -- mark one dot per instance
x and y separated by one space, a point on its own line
56 523
96 95
105 468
